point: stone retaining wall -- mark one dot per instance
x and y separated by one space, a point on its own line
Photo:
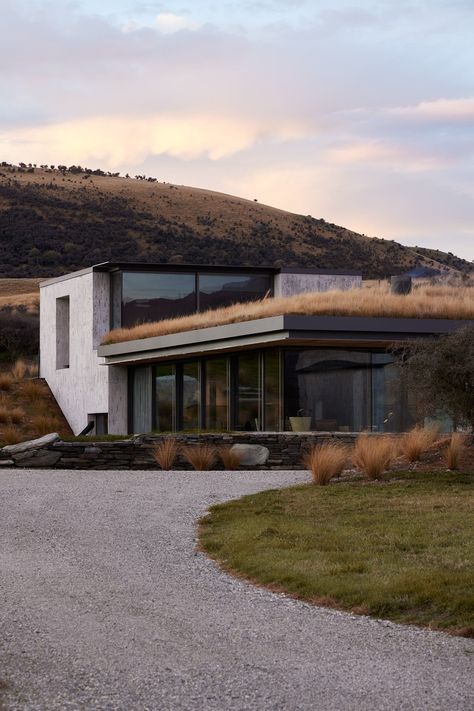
286 450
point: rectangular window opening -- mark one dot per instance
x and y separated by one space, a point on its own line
62 332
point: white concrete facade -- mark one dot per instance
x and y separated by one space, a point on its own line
290 284
81 386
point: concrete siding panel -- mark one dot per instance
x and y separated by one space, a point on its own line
292 284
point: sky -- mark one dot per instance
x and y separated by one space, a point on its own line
359 112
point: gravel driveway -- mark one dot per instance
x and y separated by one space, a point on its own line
105 604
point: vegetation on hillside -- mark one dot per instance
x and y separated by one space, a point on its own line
55 220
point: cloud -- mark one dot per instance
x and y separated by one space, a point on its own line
445 111
116 141
168 23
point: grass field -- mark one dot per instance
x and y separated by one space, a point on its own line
20 292
401 550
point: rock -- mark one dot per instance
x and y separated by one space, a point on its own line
92 452
37 458
6 463
251 455
31 444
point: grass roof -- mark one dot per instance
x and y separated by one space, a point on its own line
424 302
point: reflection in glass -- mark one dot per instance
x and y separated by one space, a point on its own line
141 399
248 392
154 296
217 393
330 386
165 397
191 396
216 290
393 410
271 397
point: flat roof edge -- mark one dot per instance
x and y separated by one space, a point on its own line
65 277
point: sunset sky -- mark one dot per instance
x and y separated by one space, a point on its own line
361 113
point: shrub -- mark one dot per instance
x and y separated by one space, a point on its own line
10 435
44 424
229 457
373 455
4 414
165 453
19 370
200 456
454 450
414 443
326 461
17 416
6 382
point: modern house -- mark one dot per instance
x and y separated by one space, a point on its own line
272 373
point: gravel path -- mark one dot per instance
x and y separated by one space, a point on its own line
105 604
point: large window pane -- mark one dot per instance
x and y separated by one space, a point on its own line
142 399
248 392
332 387
217 290
392 408
191 391
217 394
155 296
271 395
165 398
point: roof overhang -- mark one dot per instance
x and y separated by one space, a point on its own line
314 331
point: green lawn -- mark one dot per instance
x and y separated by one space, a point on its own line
401 550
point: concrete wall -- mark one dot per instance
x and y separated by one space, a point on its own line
287 284
82 388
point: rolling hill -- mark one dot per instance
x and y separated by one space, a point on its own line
54 221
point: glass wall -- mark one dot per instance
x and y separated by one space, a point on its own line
339 390
332 387
217 393
148 296
165 398
216 290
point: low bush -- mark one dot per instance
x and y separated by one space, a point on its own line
17 416
454 450
414 444
6 382
229 457
200 456
326 461
165 453
373 455
4 414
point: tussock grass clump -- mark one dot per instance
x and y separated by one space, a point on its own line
19 369
10 435
17 415
229 457
326 461
373 455
200 456
454 450
165 453
6 382
4 414
415 443
44 424
424 302
33 389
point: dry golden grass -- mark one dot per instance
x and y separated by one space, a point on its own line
229 457
44 424
6 382
10 435
454 450
414 444
165 453
19 369
424 302
200 456
32 389
4 414
17 416
326 461
373 455
31 301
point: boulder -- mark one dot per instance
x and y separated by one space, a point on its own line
251 455
31 444
6 463
37 458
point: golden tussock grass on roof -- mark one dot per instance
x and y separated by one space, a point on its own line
424 302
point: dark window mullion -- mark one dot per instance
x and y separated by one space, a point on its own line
178 423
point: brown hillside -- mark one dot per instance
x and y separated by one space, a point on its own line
55 221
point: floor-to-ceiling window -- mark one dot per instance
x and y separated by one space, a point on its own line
191 396
248 392
216 395
165 397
